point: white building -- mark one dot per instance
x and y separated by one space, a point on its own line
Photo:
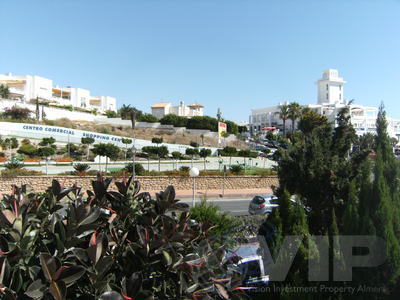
161 109
27 88
330 100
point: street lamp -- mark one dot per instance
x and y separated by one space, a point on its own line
134 158
194 172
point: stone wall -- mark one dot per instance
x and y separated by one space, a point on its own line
149 183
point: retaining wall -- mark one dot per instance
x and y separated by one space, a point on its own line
149 183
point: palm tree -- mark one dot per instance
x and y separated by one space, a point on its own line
284 115
294 110
4 91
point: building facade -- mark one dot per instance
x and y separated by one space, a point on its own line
161 109
330 100
27 88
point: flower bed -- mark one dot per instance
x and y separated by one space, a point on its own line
32 160
64 159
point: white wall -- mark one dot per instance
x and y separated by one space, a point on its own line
65 135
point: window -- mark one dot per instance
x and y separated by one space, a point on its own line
340 87
327 87
340 96
327 96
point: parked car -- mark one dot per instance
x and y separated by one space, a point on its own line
263 204
250 265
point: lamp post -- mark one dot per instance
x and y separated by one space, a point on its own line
134 160
194 172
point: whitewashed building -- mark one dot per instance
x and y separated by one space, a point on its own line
27 88
161 109
330 100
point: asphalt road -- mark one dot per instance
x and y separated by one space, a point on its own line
235 207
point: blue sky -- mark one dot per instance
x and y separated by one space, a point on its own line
233 54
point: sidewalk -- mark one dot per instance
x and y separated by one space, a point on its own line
232 194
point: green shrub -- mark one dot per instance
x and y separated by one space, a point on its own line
236 169
184 169
27 149
66 244
247 227
81 169
20 172
13 164
139 169
211 215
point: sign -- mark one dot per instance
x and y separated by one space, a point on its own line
222 128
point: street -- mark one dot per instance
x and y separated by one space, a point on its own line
235 207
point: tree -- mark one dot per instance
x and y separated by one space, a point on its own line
204 153
294 112
126 142
4 91
176 155
108 150
194 144
158 141
126 110
87 141
192 152
14 143
309 120
46 152
47 142
228 151
284 115
202 139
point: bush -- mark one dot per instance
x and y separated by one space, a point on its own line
111 114
210 214
236 169
27 149
176 121
14 164
81 169
149 118
247 227
17 113
228 151
139 169
105 244
20 172
184 169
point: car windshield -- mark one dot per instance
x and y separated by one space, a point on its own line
251 268
274 201
258 200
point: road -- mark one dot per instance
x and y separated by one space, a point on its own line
235 207
213 163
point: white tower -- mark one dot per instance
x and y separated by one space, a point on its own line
330 88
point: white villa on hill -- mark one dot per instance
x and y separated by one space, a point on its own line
27 88
161 109
330 101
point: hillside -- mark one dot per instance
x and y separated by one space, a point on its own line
145 134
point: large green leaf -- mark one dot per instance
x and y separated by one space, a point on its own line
36 289
70 274
93 216
49 265
58 290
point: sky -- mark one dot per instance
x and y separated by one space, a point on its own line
235 55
